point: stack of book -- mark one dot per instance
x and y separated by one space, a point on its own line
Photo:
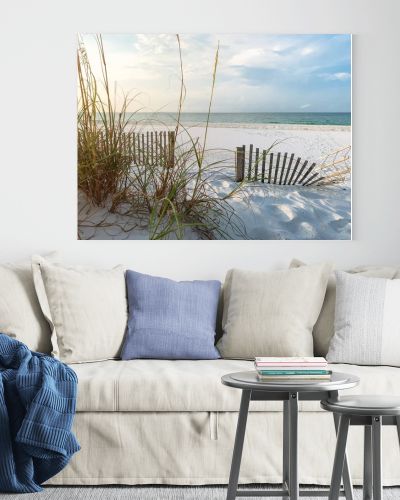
292 369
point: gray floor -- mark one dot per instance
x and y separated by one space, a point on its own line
152 493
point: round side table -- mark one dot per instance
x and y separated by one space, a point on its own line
371 412
290 392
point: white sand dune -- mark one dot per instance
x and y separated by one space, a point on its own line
272 212
266 211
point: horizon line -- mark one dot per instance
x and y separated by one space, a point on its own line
238 112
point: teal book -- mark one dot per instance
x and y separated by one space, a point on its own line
294 372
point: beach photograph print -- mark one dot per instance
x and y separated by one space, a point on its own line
214 136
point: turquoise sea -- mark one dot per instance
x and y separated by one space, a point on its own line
249 118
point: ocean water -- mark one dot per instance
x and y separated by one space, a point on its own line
247 118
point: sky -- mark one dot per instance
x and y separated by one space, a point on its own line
255 73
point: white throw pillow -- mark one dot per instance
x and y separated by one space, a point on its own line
272 313
86 309
20 315
324 327
367 321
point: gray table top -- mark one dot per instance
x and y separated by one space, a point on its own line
249 380
364 405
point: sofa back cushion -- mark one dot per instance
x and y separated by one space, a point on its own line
86 310
170 319
20 315
367 321
272 313
325 326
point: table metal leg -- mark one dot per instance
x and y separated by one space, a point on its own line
347 481
377 457
367 486
340 454
238 447
293 446
286 448
398 428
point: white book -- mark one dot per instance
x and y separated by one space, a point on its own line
290 361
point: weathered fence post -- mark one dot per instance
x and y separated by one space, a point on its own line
239 163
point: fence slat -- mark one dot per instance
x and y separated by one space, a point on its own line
271 160
294 170
250 161
309 180
171 149
277 168
256 164
316 180
288 169
301 171
263 165
301 181
165 148
283 168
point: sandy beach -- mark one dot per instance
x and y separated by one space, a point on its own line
308 141
267 211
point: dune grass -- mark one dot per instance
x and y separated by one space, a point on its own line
102 160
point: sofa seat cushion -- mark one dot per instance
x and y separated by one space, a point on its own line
175 386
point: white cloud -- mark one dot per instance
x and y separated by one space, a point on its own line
342 76
256 58
305 106
306 51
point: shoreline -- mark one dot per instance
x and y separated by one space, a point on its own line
249 126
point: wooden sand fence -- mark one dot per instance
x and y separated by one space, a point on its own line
148 148
289 169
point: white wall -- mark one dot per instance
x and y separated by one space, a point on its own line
37 121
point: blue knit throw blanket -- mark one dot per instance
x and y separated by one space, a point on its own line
37 406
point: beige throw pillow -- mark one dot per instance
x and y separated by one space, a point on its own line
272 313
325 326
20 315
86 309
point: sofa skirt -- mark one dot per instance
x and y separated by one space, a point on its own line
195 448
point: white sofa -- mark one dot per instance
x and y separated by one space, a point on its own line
173 422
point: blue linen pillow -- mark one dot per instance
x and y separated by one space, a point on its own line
170 319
